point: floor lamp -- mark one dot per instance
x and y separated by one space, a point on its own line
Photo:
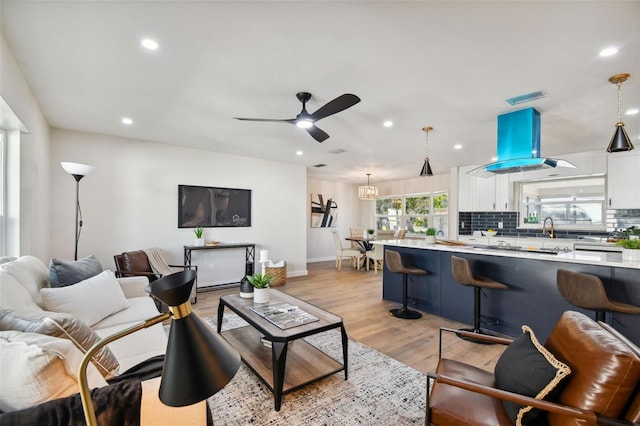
197 363
78 171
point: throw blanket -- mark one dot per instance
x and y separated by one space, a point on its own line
117 404
158 262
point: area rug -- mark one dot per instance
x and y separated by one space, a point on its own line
380 391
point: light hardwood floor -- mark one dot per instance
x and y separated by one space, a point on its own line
356 296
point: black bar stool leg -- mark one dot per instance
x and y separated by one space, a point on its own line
404 312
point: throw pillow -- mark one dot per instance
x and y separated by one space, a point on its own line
36 368
63 273
90 300
527 368
61 325
31 273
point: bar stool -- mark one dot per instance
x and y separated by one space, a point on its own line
394 263
463 275
587 291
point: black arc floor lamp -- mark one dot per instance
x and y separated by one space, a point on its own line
78 171
197 363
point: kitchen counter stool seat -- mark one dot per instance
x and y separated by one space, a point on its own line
394 263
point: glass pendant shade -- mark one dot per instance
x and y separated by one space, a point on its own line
368 191
620 140
426 168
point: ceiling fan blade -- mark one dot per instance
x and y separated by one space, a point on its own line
340 103
289 120
318 134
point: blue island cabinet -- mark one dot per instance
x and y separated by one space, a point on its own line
532 298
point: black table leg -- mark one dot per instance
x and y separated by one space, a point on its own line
220 314
278 360
345 351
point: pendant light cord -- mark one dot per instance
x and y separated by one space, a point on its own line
619 115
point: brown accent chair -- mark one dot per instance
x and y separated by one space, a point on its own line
587 291
602 388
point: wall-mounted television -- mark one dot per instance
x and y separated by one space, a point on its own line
209 207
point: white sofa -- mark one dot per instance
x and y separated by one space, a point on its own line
22 279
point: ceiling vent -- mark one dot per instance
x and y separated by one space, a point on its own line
319 165
337 151
528 97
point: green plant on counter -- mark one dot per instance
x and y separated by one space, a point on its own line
259 280
430 231
629 244
370 231
198 231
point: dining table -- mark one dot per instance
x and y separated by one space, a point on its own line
366 244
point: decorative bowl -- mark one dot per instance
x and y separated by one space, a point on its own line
490 233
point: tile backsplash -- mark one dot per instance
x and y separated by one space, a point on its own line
478 221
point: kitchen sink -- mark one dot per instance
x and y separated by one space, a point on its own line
524 249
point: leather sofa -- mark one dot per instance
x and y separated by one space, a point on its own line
601 388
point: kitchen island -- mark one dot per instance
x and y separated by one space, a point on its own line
532 297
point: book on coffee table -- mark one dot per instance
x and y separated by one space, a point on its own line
284 315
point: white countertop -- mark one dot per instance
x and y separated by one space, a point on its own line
583 257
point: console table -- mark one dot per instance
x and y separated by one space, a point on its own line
249 257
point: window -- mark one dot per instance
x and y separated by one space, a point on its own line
571 203
416 213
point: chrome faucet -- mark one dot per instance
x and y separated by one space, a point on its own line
552 234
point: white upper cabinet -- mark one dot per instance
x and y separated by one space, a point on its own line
623 179
483 194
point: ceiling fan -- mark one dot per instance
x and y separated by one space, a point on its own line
307 121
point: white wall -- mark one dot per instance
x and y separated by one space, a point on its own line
320 244
33 158
130 202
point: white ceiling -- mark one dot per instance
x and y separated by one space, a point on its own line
448 64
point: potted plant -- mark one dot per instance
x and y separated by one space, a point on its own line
370 232
630 250
260 283
430 235
199 240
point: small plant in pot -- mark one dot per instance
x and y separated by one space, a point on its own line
261 283
370 232
430 235
199 240
630 250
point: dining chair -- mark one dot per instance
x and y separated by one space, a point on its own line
358 233
376 256
353 254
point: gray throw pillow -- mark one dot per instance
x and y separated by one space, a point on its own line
63 273
65 326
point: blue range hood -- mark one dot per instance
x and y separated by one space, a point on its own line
519 145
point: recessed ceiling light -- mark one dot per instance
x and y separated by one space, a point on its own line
150 44
298 152
632 111
609 51
388 123
127 121
458 146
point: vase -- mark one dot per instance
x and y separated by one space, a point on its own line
431 239
630 255
246 288
199 242
261 295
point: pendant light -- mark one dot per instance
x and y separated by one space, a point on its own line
426 167
620 140
368 191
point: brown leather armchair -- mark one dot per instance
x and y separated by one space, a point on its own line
602 388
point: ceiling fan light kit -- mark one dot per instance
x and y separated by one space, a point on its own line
426 167
368 191
307 121
620 140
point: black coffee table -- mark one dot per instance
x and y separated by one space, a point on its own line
290 362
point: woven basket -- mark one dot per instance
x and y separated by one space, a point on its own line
279 274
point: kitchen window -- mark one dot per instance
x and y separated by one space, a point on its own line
415 213
577 203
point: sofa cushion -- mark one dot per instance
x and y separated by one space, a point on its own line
31 273
527 368
581 343
63 273
90 300
36 368
140 308
61 325
13 295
